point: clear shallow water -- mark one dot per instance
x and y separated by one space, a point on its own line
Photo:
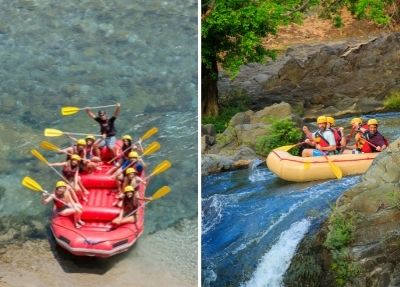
253 221
88 53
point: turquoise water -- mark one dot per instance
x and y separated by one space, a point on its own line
142 54
252 221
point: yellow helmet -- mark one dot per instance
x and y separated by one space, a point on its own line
330 120
129 188
90 137
133 154
61 184
356 121
81 142
127 137
373 122
321 120
75 157
130 170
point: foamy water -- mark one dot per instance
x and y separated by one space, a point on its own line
273 264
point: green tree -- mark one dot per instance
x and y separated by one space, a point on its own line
231 34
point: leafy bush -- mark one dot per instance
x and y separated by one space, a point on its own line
394 199
392 102
379 11
232 104
341 233
281 132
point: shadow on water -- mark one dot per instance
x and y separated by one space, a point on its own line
83 264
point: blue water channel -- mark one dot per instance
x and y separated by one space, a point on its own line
253 221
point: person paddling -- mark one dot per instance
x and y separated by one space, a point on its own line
107 127
71 169
130 178
65 205
323 140
129 203
133 161
338 133
372 139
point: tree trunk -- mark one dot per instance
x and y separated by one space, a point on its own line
209 90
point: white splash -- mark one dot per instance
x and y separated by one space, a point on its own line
273 264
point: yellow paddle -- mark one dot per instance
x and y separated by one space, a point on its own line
161 167
40 157
49 146
335 169
68 111
288 147
147 134
157 195
151 148
32 184
57 133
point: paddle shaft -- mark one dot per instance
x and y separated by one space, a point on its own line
99 107
133 211
81 134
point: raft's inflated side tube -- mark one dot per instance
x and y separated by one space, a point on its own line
95 213
99 181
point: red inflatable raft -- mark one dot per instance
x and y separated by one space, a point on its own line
96 238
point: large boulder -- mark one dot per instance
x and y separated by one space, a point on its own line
335 78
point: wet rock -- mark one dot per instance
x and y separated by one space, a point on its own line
335 78
376 201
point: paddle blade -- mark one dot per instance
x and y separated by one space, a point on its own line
68 111
286 147
161 192
161 167
52 133
32 184
39 156
149 133
335 169
49 146
151 148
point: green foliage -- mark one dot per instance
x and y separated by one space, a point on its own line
232 30
281 132
341 233
343 267
392 102
221 121
375 10
234 103
394 199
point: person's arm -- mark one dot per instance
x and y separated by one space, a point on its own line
331 141
90 113
117 110
46 198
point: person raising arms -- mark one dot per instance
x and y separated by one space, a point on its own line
107 127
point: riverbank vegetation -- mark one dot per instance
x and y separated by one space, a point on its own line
341 233
392 102
281 132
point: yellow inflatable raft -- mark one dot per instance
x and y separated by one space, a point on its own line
300 169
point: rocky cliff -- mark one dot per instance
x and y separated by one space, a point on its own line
338 78
374 249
